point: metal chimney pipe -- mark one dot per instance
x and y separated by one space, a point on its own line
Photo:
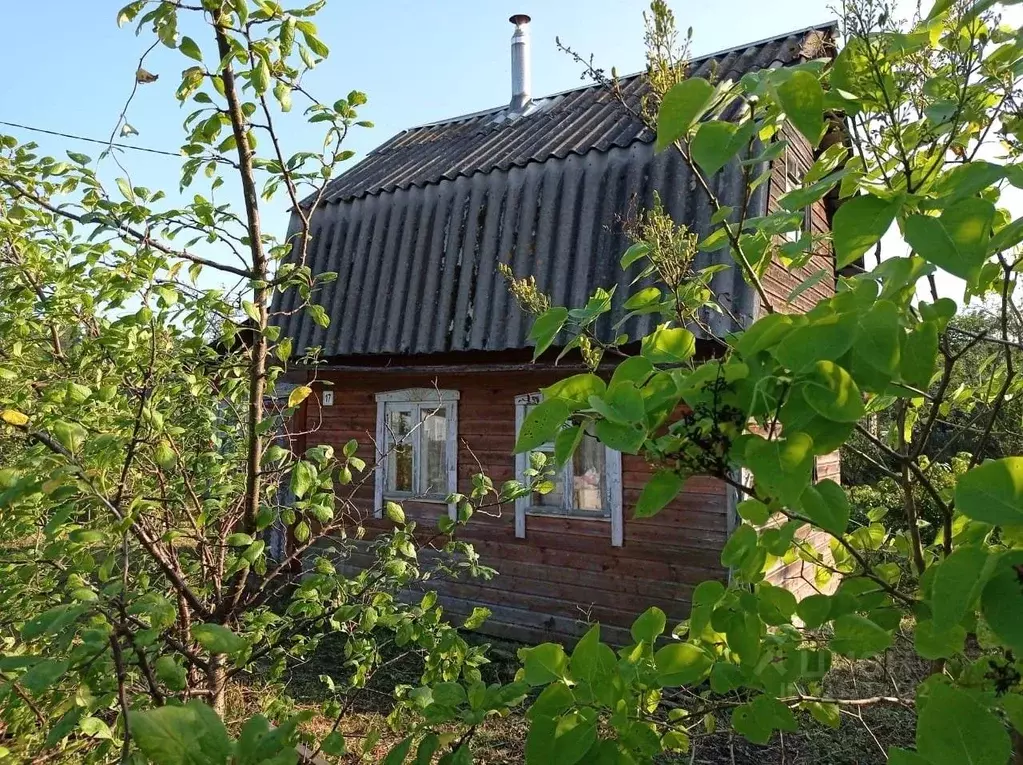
522 80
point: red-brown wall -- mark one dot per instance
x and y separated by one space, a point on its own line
779 280
565 571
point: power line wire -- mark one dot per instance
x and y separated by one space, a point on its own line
176 155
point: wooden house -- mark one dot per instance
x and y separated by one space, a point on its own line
427 354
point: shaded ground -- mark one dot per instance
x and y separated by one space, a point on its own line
861 739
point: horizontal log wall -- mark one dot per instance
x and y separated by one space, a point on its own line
565 572
780 280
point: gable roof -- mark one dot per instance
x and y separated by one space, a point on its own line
571 122
416 230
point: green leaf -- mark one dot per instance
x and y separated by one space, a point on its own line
759 718
190 49
776 605
574 734
858 637
713 146
546 328
993 492
188 735
826 338
303 478
318 315
958 240
782 467
802 98
833 394
556 698
298 395
334 744
216 638
920 354
544 663
953 729
52 621
542 424
125 189
260 75
592 661
827 506
398 752
681 107
813 610
93 727
636 370
1002 601
476 619
70 435
575 391
825 714
165 456
939 7
878 340
933 644
661 489
635 252
42 675
740 545
649 625
753 511
765 333
622 438
681 664
669 345
170 673
859 224
958 581
394 513
566 442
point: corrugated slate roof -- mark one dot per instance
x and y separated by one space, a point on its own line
416 231
573 122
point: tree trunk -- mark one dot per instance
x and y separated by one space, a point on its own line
216 684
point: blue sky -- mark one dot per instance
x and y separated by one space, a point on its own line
417 62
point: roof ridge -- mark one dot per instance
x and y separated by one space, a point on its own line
462 145
701 58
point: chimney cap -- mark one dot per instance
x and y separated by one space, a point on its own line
519 19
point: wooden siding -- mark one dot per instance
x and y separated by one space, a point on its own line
565 571
798 576
779 280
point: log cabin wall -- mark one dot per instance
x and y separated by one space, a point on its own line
780 279
565 571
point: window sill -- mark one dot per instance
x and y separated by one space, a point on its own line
428 500
576 514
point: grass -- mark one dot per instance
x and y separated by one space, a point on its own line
862 738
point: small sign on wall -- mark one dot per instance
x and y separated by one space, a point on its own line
327 399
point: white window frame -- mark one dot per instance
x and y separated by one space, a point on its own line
791 182
612 484
420 401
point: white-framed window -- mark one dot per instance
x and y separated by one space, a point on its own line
417 446
792 181
588 486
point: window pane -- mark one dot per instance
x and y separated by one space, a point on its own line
588 476
399 443
435 443
556 497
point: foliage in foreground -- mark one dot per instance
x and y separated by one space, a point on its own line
143 472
